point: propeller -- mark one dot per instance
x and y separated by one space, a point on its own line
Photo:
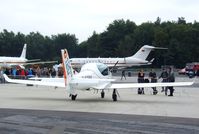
114 66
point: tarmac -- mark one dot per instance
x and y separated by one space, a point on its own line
19 99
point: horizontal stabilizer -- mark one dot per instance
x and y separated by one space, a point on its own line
39 62
33 60
160 48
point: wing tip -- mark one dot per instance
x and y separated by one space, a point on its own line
6 78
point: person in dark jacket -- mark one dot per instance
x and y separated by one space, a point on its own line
123 75
153 77
171 78
164 75
141 80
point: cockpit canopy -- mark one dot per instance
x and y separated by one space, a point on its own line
99 67
103 69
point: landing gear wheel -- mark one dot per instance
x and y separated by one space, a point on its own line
102 94
155 92
114 95
73 97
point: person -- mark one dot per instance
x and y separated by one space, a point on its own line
171 78
7 72
123 75
30 72
141 80
14 72
53 73
153 77
22 74
164 76
1 76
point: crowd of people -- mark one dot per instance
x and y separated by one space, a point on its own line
19 73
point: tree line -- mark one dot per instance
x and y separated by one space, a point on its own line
120 39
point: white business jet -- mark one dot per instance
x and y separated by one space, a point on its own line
137 59
92 76
9 62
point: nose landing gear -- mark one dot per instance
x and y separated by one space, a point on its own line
73 97
102 94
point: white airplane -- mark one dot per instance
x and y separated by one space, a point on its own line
9 62
92 76
137 59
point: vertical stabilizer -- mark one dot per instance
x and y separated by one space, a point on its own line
67 68
23 53
143 52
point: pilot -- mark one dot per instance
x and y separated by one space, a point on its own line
141 80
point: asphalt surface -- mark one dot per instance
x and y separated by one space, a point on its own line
45 110
13 121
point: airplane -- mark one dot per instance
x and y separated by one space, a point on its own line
95 76
137 59
8 62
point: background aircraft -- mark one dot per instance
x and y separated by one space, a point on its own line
92 76
14 61
9 62
137 59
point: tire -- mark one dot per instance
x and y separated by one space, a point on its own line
155 92
139 91
102 94
114 96
73 97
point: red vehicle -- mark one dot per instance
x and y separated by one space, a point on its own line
192 69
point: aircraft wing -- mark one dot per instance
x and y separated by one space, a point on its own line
34 82
47 79
33 60
137 85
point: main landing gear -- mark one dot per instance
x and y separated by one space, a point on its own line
102 94
73 97
114 95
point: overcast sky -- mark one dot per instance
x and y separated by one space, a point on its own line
82 17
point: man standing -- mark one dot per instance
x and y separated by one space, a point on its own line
123 75
171 78
141 80
153 77
164 76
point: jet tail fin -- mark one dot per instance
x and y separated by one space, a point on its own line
68 70
23 53
145 51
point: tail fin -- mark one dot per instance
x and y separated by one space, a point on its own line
68 70
23 53
144 52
